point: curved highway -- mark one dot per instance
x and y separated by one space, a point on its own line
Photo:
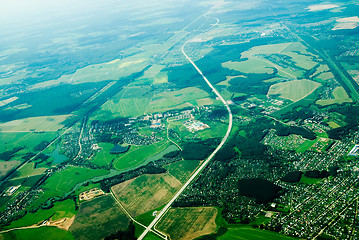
204 164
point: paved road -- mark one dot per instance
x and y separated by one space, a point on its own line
204 164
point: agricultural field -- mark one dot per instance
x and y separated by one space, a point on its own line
250 66
111 70
98 218
62 209
340 96
43 233
66 179
247 233
182 170
188 223
293 90
146 192
138 154
129 102
33 124
176 99
6 166
28 170
24 139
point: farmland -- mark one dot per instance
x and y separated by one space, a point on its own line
98 218
293 90
250 66
340 96
146 192
246 233
176 99
39 124
188 223
182 169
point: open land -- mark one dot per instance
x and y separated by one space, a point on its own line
98 218
146 192
188 223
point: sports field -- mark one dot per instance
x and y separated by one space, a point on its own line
340 96
293 90
246 233
188 223
146 192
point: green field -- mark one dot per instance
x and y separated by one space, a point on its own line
66 179
103 157
138 154
250 66
308 180
59 210
246 233
146 193
43 233
306 145
98 218
293 90
182 170
129 102
24 139
340 96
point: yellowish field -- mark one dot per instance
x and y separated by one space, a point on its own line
333 124
188 223
252 65
321 7
112 70
6 166
146 192
295 50
44 123
293 90
347 23
176 99
28 170
204 101
340 96
154 73
325 76
7 101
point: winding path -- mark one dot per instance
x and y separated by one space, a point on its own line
204 164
